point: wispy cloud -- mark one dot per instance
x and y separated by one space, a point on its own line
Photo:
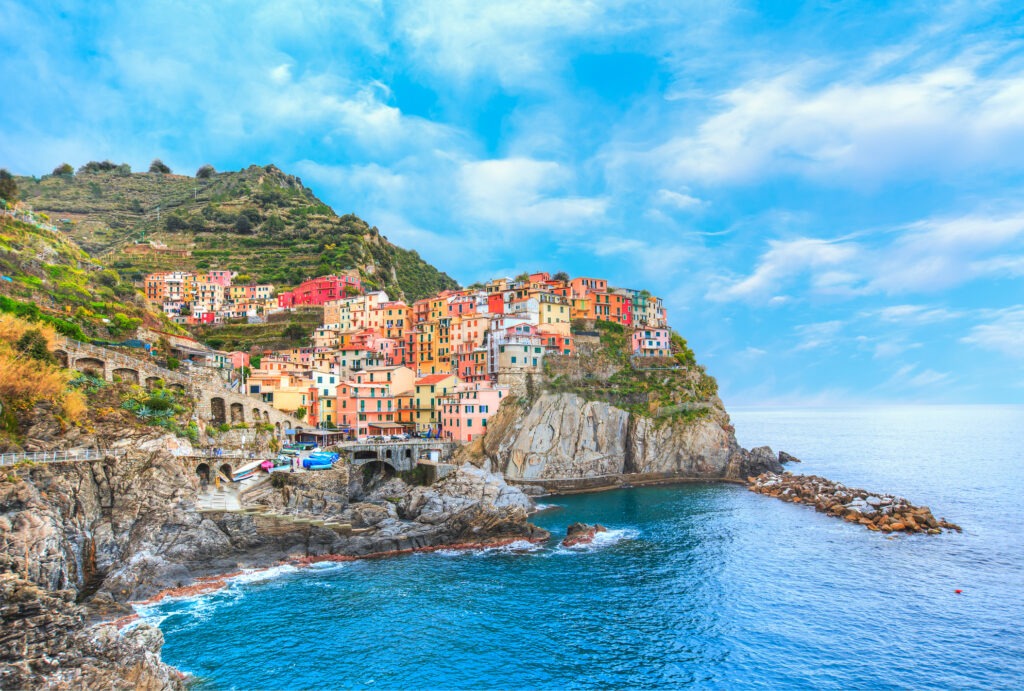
1003 333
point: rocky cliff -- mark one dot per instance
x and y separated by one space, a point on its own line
79 540
563 442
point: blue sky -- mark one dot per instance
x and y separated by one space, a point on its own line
828 195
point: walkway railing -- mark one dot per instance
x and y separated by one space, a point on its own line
64 456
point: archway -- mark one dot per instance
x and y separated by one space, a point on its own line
62 357
387 454
177 387
408 453
376 472
227 471
151 382
91 366
277 428
217 413
266 416
256 417
237 413
203 472
127 375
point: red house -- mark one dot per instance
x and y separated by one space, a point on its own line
317 291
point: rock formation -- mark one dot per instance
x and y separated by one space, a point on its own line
582 534
880 512
104 533
562 441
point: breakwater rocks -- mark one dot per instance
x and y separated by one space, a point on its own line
582 534
879 512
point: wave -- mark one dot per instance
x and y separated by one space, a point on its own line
608 538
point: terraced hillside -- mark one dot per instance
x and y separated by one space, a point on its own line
47 278
260 221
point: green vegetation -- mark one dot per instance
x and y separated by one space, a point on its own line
158 166
8 187
666 389
282 330
54 282
259 221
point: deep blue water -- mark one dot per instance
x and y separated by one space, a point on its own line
708 586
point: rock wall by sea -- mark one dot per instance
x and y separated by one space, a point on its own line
563 441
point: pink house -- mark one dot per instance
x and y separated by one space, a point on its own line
464 412
651 342
238 359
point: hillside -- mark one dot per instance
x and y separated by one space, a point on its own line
260 222
47 278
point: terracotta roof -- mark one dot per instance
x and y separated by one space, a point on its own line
432 379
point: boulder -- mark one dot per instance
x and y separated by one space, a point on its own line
582 534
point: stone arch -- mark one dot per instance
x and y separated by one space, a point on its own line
91 365
62 357
379 469
256 417
408 453
277 428
266 416
128 375
237 413
203 473
151 382
217 412
177 387
227 471
387 454
287 424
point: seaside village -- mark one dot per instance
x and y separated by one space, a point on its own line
378 367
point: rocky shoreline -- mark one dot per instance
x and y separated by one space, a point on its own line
884 513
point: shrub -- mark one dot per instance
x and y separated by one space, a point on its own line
205 172
64 170
34 344
158 166
8 186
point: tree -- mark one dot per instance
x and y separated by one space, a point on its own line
295 332
158 166
243 224
255 361
561 276
300 413
64 170
175 223
8 186
97 167
33 344
205 172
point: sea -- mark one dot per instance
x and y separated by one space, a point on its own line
693 586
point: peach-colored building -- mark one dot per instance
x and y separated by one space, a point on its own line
464 412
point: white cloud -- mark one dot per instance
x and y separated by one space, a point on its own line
924 257
1004 333
679 200
524 192
817 335
783 263
916 314
514 42
916 125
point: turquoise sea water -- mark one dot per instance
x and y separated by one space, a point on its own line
709 586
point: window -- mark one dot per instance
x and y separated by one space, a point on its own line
513 359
